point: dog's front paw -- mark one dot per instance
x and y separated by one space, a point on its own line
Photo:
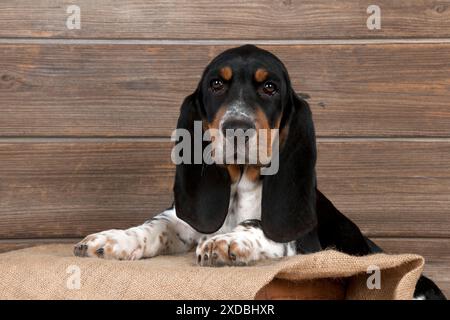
111 244
225 249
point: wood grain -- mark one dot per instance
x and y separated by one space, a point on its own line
388 187
17 244
60 178
435 252
71 188
202 19
136 90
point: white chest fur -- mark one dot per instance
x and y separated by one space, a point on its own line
245 203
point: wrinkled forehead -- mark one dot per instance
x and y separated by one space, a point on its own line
236 65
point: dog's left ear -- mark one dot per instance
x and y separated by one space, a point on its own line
289 196
202 191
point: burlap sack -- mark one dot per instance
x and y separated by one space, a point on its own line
50 272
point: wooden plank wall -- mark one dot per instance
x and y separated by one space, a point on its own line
85 115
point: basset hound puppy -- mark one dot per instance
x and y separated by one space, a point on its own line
231 213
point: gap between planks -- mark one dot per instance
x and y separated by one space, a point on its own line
217 42
45 139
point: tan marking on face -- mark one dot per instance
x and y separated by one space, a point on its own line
214 129
252 173
217 118
226 73
234 171
261 119
263 123
261 75
205 125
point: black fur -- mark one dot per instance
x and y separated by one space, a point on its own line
202 192
288 197
292 207
339 232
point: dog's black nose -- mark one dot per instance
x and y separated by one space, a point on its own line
238 123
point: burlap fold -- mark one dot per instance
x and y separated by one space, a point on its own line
51 272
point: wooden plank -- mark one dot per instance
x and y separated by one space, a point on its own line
202 19
389 188
72 188
435 251
136 90
17 244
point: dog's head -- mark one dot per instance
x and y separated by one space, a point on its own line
248 90
243 91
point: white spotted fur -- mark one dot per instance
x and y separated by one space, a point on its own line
167 234
245 203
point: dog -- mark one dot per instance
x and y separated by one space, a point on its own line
230 213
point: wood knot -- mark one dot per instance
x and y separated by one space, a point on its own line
7 78
7 82
440 8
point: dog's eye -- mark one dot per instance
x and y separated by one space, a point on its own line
216 85
270 88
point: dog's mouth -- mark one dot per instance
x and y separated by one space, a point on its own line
241 147
237 151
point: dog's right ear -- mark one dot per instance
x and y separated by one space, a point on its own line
202 191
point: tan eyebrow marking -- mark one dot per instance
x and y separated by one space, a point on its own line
261 75
226 73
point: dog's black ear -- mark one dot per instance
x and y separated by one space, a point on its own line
289 196
202 191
